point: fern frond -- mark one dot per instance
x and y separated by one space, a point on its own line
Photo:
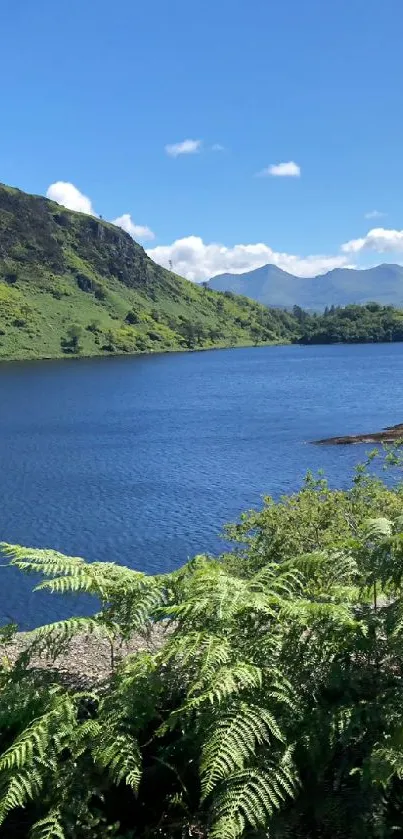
208 594
327 570
134 594
250 797
32 742
276 579
378 529
21 787
228 681
48 828
233 742
80 582
385 764
120 754
85 736
45 561
134 603
309 612
197 649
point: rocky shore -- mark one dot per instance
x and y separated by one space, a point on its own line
89 659
390 434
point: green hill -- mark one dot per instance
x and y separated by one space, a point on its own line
72 283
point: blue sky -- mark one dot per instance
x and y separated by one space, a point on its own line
94 92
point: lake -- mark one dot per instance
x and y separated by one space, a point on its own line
143 459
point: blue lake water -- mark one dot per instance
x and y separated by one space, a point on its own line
142 460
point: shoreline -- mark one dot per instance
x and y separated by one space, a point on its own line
389 435
145 354
90 658
180 350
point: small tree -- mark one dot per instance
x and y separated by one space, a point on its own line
75 334
132 317
72 342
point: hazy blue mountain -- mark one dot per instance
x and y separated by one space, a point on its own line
274 287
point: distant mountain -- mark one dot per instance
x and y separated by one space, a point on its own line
273 287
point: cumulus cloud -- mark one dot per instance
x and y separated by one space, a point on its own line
137 231
374 214
378 239
197 261
185 147
281 170
69 196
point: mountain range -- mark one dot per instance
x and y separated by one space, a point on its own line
272 286
72 283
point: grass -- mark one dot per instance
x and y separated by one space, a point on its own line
63 273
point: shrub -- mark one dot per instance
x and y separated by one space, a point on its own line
272 706
132 317
71 344
94 326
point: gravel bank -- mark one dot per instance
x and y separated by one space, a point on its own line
89 659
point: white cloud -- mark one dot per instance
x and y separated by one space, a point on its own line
69 196
374 214
377 239
185 147
137 231
217 147
194 259
281 170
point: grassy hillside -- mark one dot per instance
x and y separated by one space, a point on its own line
71 283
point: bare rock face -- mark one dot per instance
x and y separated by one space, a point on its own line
390 434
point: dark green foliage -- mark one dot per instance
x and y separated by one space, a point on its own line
272 706
71 344
132 317
372 323
94 326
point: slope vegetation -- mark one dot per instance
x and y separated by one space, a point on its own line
71 284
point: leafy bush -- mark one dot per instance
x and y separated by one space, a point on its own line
272 707
94 326
71 344
132 317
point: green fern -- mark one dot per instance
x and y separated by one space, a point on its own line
50 827
233 742
378 529
271 687
250 798
121 755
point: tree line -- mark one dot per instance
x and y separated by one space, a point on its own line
371 323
